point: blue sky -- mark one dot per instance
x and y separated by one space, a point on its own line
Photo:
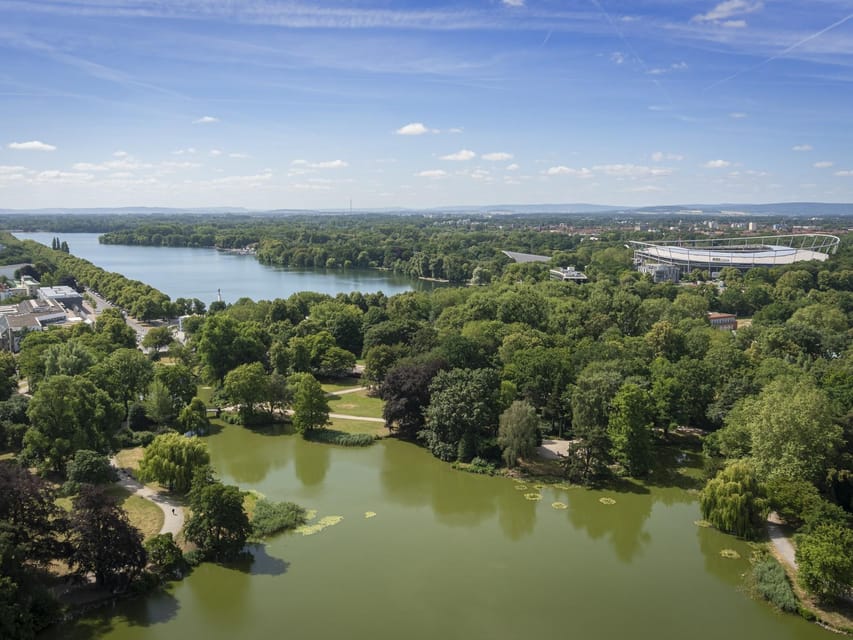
266 104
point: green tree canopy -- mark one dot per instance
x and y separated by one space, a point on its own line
734 501
310 405
518 432
171 459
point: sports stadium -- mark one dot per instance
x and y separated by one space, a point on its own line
744 253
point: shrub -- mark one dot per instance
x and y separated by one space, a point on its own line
90 467
273 517
330 436
772 583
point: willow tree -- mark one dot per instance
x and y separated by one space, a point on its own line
172 459
734 501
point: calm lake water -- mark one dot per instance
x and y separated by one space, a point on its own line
448 554
197 273
452 555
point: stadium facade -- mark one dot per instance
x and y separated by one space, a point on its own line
744 253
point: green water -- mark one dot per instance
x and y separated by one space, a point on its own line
452 555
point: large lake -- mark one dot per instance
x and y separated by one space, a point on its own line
198 273
452 555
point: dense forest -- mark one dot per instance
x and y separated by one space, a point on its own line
476 375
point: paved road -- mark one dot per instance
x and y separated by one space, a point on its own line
173 513
133 323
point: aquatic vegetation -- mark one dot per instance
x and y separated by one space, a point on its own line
539 486
369 514
535 497
607 501
559 505
772 583
702 523
323 523
272 517
310 514
521 487
731 554
561 487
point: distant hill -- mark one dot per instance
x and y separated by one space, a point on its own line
784 209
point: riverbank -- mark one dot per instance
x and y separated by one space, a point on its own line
837 617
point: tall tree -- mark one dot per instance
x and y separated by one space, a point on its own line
825 561
630 429
68 414
734 501
105 543
247 387
462 414
172 459
518 432
218 524
310 405
125 374
406 392
792 431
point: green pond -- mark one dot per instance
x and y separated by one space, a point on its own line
452 555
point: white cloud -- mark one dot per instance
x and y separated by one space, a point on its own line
453 130
617 57
823 164
414 129
721 13
513 3
460 156
31 145
330 164
120 154
326 164
63 177
513 167
432 173
497 156
239 156
675 66
206 120
8 170
738 115
802 147
561 170
717 164
845 172
647 188
215 153
632 170
188 151
660 156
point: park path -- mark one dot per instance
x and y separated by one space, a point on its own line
345 391
173 513
344 416
781 542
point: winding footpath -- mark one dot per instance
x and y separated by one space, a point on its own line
173 513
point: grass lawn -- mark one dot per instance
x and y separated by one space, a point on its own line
143 514
341 383
205 394
129 458
359 426
356 404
